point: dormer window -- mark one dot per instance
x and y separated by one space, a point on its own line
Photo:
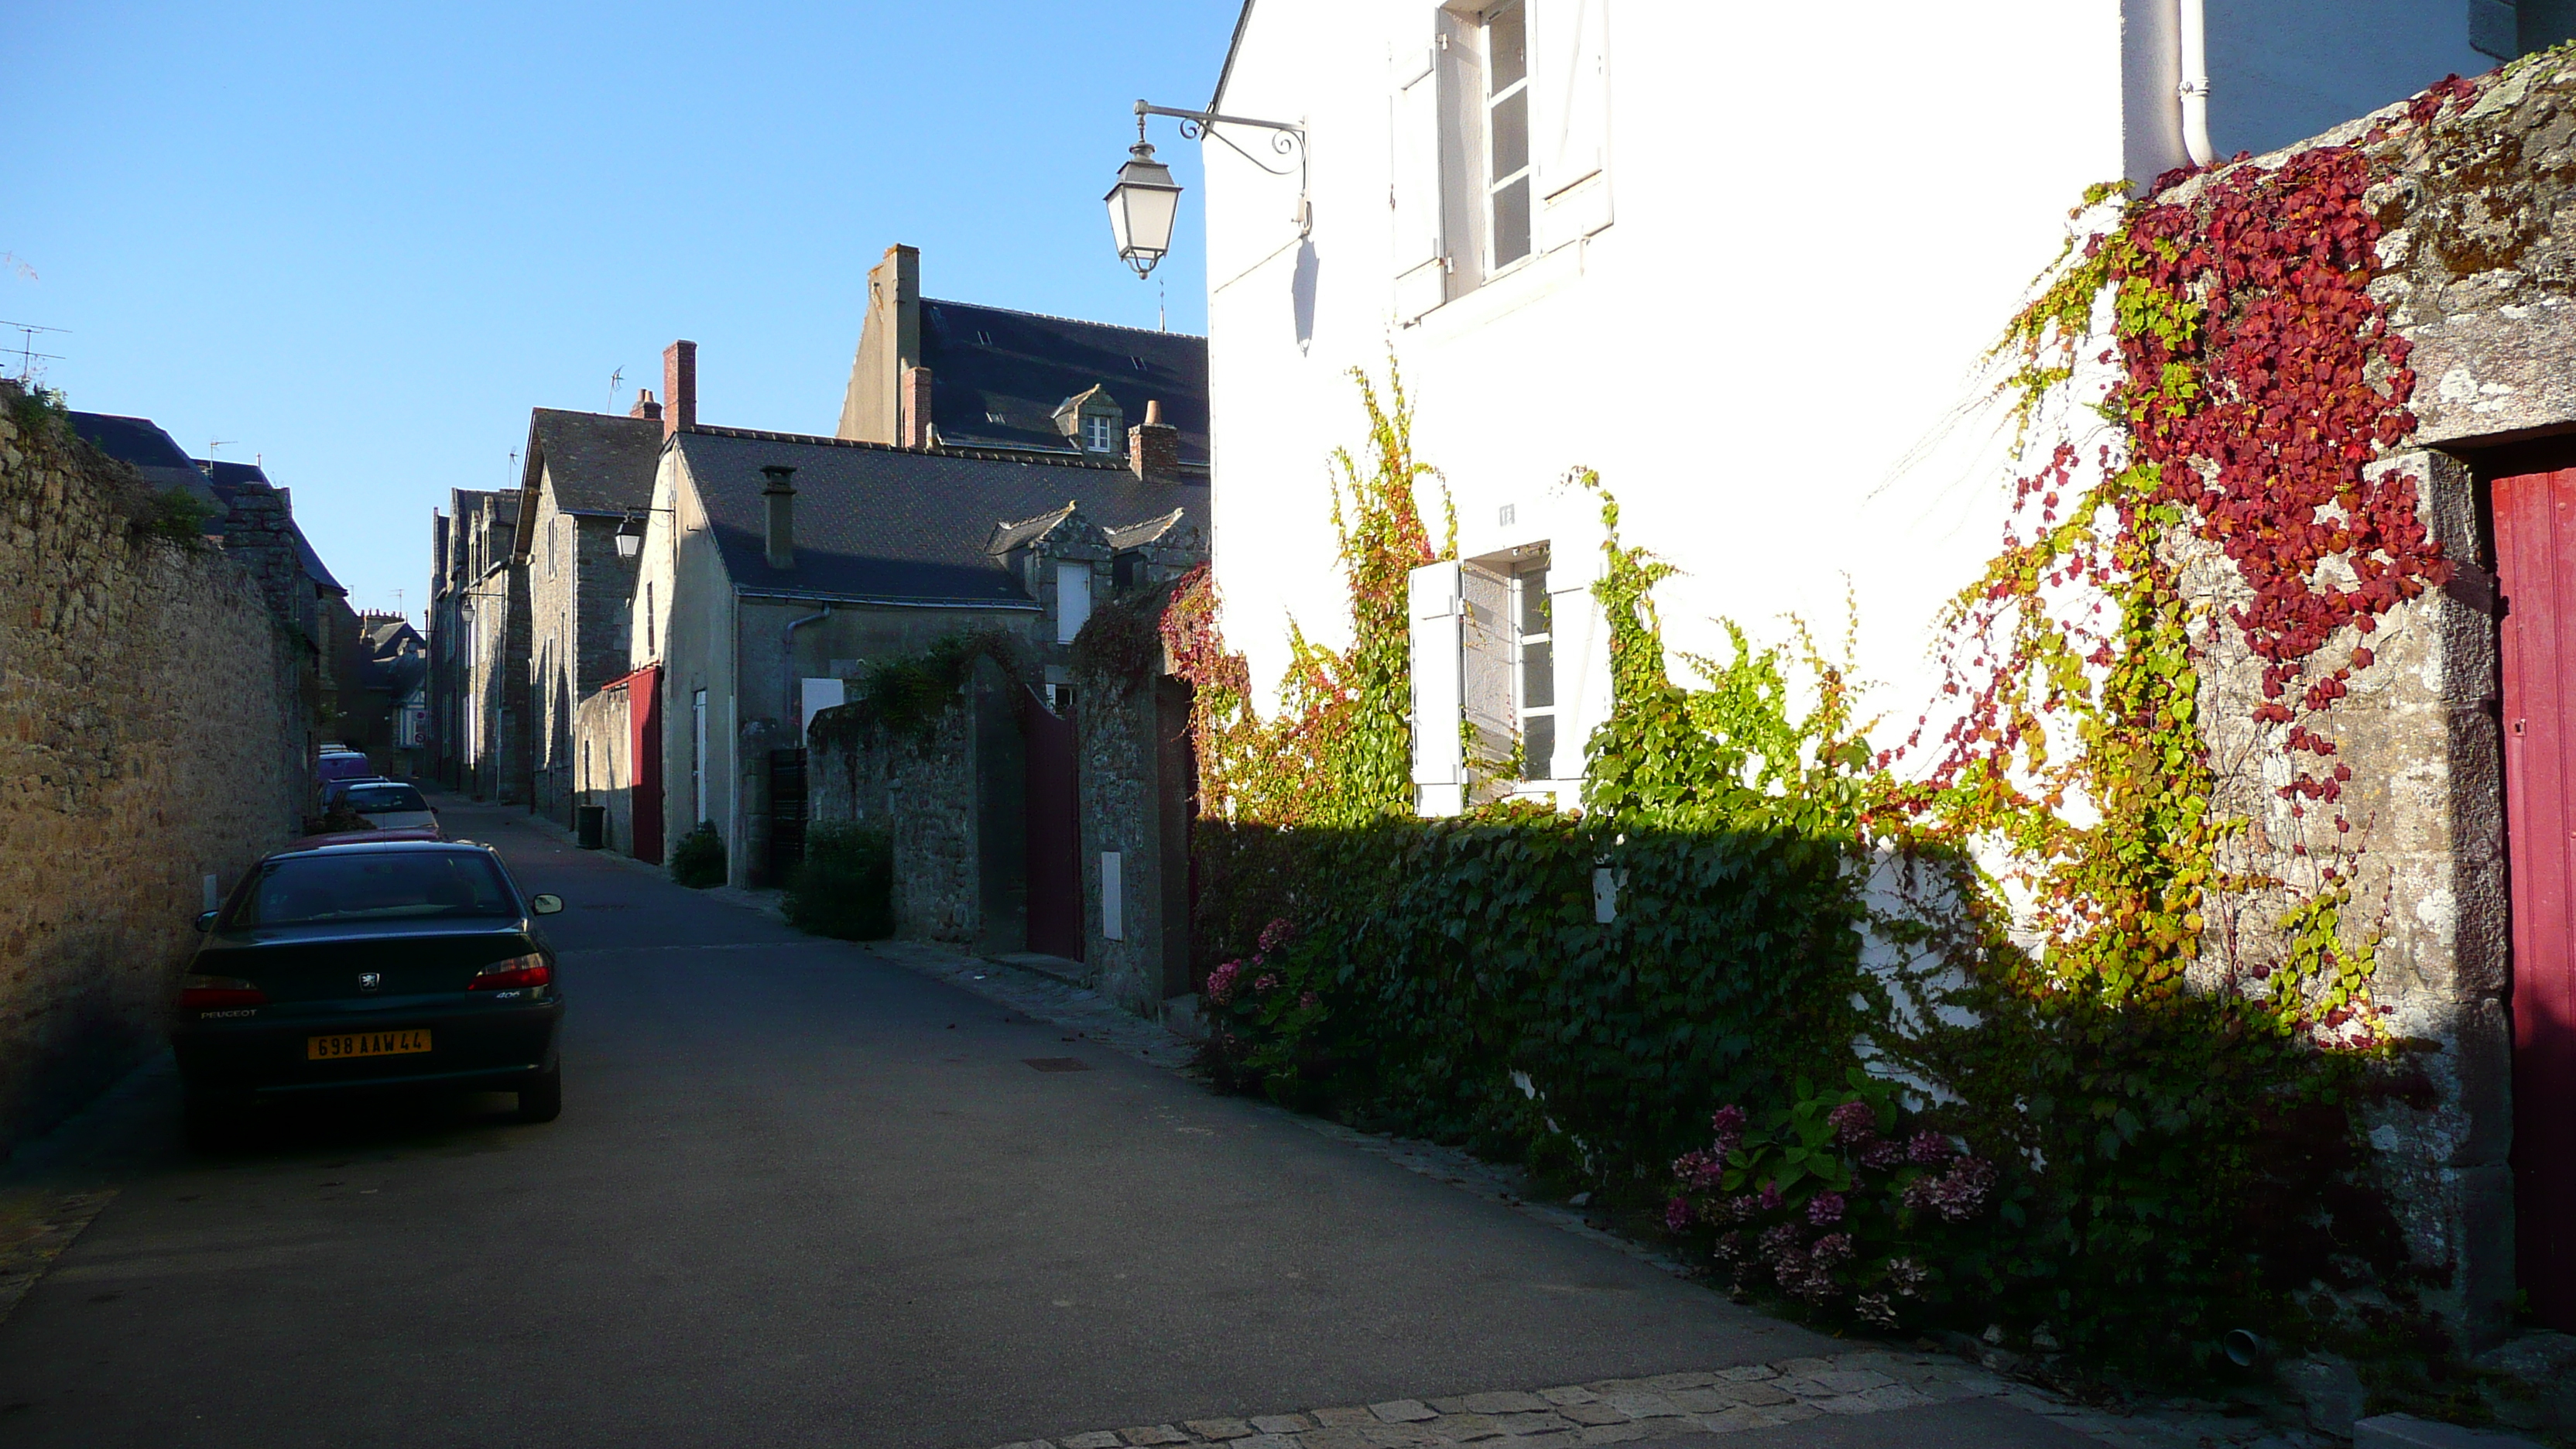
1091 420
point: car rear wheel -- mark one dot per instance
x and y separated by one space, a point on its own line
541 1098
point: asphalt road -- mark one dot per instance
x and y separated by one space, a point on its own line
800 1195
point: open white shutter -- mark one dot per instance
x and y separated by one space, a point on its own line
1439 764
1570 114
1413 184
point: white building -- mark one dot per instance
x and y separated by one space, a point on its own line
1743 260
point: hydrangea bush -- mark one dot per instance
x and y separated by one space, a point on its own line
1831 1202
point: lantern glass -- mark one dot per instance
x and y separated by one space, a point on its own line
1142 208
630 538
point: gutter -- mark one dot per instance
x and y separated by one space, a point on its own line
790 596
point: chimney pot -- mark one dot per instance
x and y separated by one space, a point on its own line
679 387
778 496
645 407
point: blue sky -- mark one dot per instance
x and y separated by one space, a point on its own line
360 241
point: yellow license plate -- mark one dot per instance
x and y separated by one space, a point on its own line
364 1044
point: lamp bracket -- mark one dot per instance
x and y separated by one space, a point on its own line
1286 138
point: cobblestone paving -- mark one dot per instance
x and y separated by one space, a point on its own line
1667 1407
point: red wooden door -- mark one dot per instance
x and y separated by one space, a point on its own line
2535 526
1054 831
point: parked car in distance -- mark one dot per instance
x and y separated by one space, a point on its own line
341 765
389 804
364 967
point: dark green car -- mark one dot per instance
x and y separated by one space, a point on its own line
356 967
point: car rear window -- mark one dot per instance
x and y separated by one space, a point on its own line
372 885
376 799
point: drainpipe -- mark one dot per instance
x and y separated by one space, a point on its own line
797 700
2191 32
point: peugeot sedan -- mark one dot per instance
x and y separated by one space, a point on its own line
370 966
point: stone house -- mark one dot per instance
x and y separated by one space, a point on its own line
777 568
930 373
479 634
586 475
392 681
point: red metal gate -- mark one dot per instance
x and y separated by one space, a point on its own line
644 761
2535 527
1054 832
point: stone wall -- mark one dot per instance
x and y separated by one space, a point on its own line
922 788
578 594
603 742
150 739
2428 890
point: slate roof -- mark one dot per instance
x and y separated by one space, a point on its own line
876 522
155 455
601 463
998 376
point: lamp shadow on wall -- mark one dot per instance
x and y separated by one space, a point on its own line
1301 293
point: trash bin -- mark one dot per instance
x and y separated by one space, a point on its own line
590 824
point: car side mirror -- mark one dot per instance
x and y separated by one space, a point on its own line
205 921
545 905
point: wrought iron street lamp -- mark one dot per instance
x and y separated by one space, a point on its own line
1146 201
630 538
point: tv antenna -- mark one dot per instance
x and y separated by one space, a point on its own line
28 356
616 382
213 444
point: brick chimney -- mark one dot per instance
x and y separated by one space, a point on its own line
778 497
1154 447
679 387
645 407
912 409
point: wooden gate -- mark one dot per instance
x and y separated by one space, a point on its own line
1054 832
2535 527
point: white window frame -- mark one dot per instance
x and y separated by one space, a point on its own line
1526 175
1096 433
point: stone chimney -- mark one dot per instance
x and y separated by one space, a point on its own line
679 387
1154 447
779 497
645 407
913 409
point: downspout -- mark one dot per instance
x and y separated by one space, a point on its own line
2191 33
795 683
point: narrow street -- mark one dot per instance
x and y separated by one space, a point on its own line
803 1195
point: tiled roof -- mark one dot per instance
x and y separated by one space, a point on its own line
998 376
1140 534
875 522
599 463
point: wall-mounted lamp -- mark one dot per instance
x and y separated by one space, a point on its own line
1146 201
630 538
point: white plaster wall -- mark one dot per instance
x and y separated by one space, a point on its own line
1772 354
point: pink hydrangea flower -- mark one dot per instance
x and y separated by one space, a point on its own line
1851 1122
1825 1209
1220 982
1678 1215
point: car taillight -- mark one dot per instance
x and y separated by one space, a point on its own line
213 993
512 974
